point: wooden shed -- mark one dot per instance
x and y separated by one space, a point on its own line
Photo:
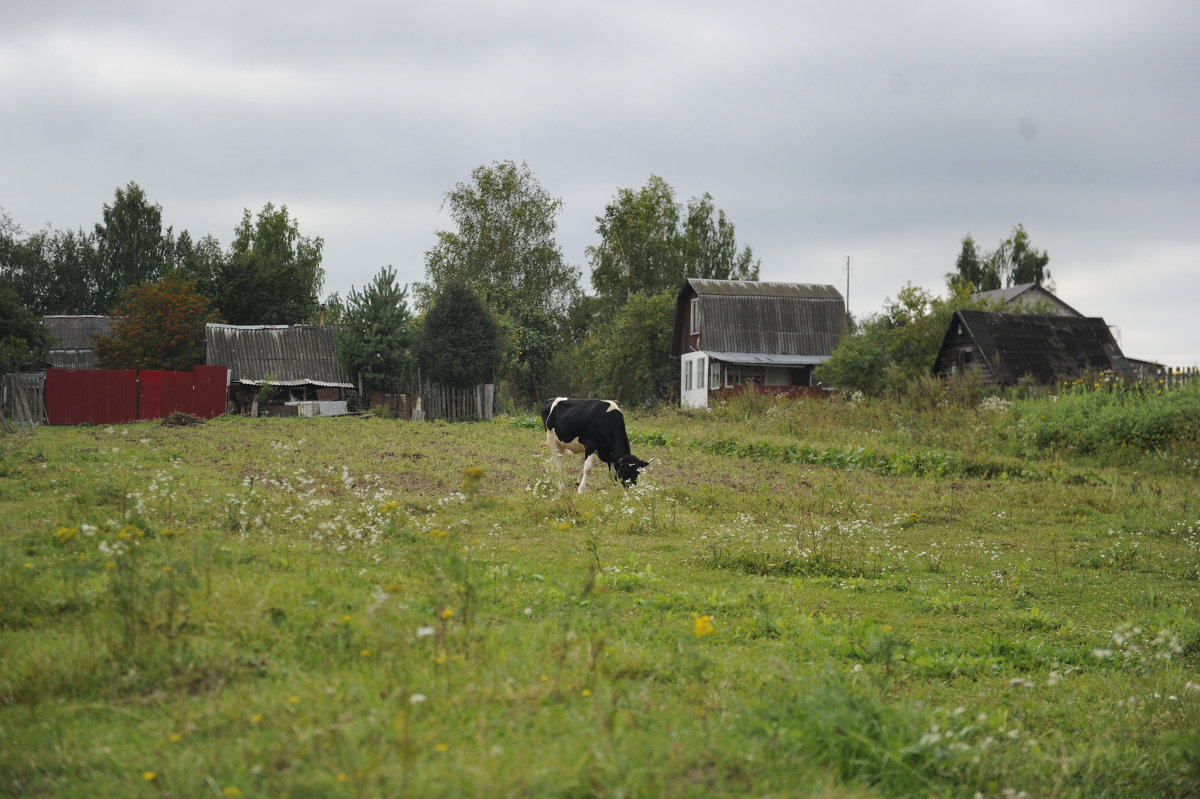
300 359
72 340
1007 346
735 334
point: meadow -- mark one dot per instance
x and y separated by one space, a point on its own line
927 596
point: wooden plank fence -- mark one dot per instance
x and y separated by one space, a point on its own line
23 401
459 404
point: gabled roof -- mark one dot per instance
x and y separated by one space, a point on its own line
1026 294
1048 347
753 317
292 355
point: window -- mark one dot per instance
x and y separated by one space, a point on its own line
695 315
687 376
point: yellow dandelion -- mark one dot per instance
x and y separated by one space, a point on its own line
293 699
342 777
110 565
149 776
366 653
442 747
703 625
564 526
65 534
257 717
447 613
543 678
585 692
175 738
231 791
438 532
474 472
393 588
440 659
346 619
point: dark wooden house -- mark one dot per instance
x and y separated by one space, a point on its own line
301 360
731 335
1007 346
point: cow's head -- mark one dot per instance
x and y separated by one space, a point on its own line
627 468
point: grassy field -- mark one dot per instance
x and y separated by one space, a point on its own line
943 598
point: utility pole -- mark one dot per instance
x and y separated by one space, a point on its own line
847 293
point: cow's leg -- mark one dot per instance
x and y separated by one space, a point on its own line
588 463
555 456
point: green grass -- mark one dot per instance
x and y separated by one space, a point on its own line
799 599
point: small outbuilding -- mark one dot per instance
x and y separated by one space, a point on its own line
1008 346
738 335
299 360
72 340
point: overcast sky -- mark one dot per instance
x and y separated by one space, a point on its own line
882 131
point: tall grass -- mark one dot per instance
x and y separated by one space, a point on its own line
798 598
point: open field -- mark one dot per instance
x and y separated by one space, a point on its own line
799 599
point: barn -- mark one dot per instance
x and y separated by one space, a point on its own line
738 335
300 360
1008 346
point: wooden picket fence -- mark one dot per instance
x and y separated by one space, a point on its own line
1172 376
459 404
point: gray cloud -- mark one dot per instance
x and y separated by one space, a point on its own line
881 131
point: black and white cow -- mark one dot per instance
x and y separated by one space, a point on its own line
595 428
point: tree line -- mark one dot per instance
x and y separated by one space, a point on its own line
499 302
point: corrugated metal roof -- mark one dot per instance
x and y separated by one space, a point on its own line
76 332
771 324
761 359
1048 347
72 359
292 355
755 288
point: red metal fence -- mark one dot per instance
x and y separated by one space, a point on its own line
114 396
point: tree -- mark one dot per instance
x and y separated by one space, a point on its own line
131 246
24 340
650 244
157 325
1014 262
1028 265
201 261
52 272
640 249
272 275
461 345
710 247
970 269
629 354
375 337
900 343
504 248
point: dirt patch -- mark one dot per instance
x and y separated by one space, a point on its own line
181 419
